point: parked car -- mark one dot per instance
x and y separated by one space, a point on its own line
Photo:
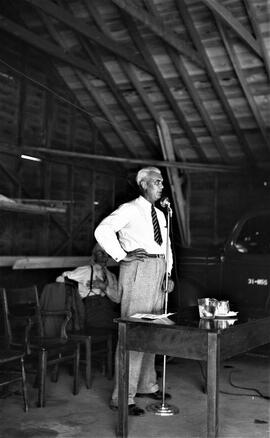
238 271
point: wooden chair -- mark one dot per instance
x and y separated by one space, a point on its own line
96 343
24 327
10 359
98 346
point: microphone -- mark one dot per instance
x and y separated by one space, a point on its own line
165 203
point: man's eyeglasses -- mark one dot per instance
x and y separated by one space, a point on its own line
157 182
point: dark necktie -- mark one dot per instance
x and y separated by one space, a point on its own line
157 233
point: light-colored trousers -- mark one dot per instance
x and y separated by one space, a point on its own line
141 283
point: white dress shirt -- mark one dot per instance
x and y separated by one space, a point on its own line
82 275
130 227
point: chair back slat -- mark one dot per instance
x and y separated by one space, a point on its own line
19 305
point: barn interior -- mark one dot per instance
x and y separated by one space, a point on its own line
90 92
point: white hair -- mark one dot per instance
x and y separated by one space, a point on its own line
145 173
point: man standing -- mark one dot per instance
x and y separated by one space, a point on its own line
135 235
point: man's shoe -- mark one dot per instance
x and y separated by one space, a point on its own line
113 407
154 395
133 410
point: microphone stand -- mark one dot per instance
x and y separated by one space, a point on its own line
163 409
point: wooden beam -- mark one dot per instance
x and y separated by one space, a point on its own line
199 105
133 77
243 82
59 203
10 149
178 113
225 15
84 29
193 167
129 113
252 14
46 46
127 67
76 103
36 262
183 10
49 262
18 207
52 31
157 26
194 95
70 97
7 261
126 140
175 183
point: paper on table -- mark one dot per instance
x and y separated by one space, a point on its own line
150 315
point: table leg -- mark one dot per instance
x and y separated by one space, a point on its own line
123 381
213 364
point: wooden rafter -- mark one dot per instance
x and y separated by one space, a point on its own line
93 126
127 67
132 75
212 76
194 95
13 150
107 114
199 105
192 167
53 71
225 15
52 31
157 26
244 85
234 83
47 47
164 86
81 27
95 57
128 111
252 13
57 53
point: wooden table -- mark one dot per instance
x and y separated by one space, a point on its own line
189 338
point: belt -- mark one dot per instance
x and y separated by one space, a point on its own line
156 256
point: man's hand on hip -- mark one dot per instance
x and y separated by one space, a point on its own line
136 254
170 285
